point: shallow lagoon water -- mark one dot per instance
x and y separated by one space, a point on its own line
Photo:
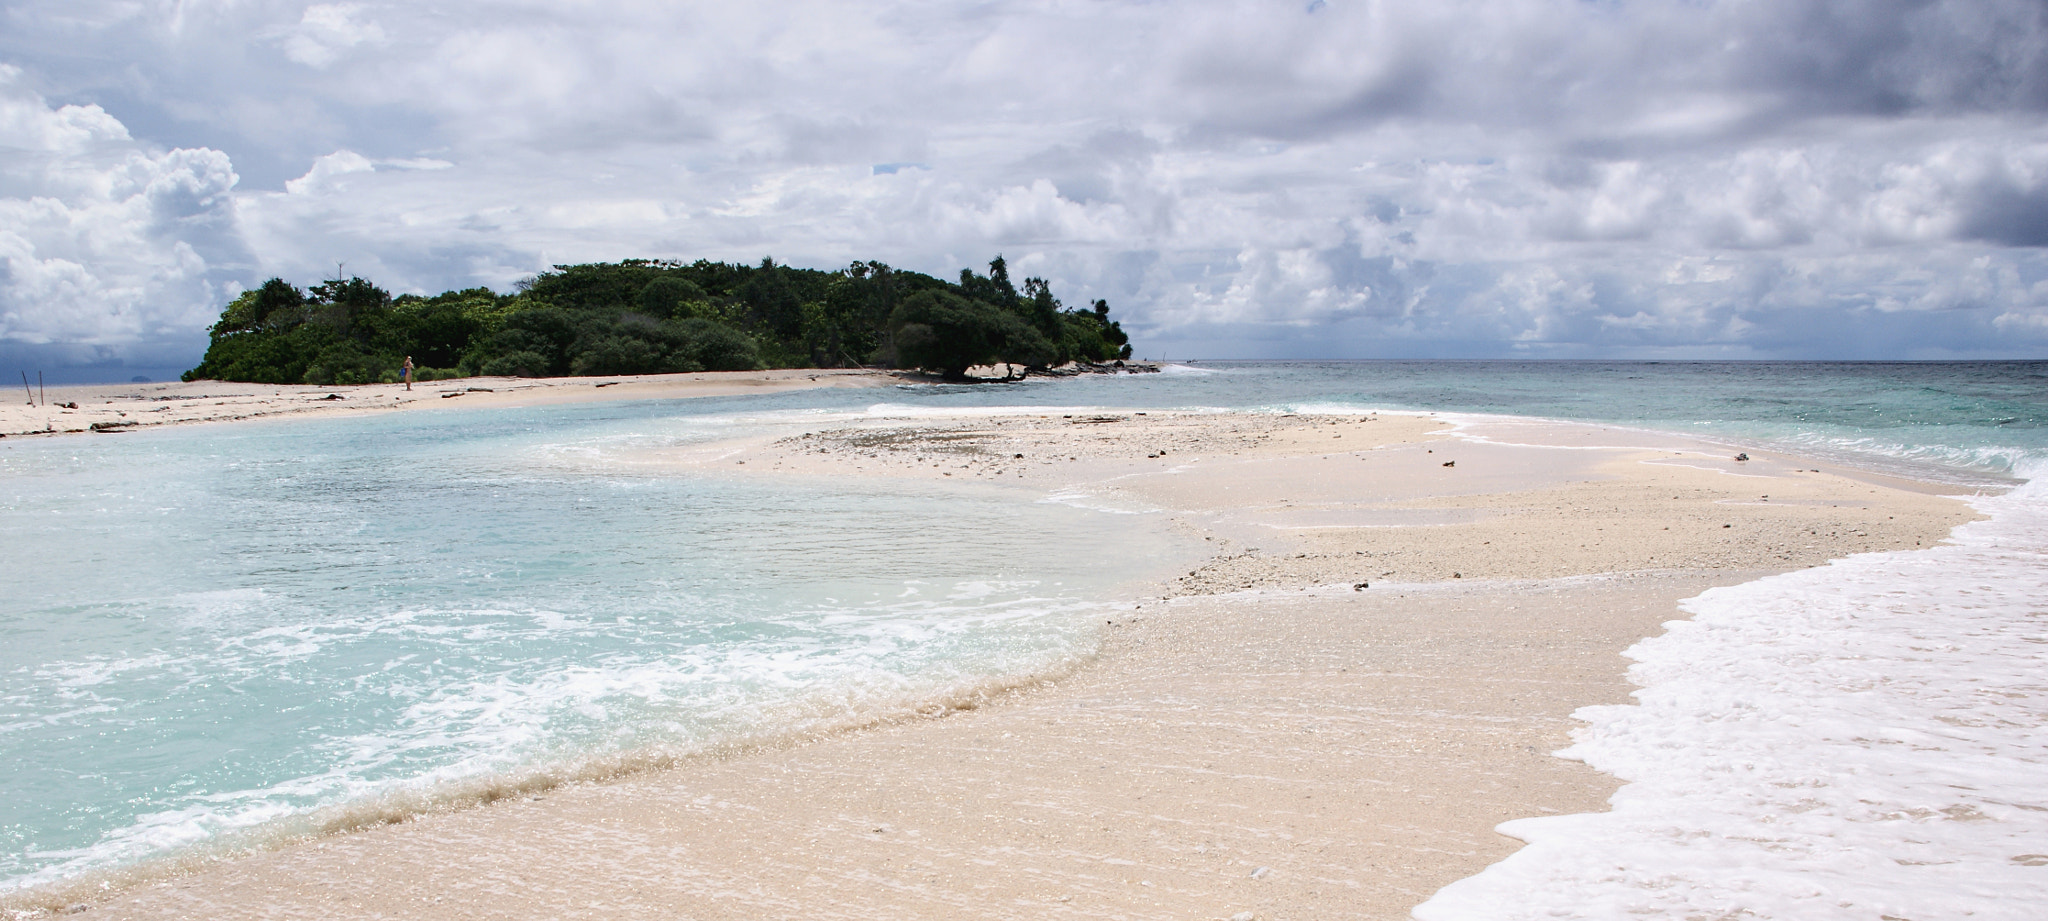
218 628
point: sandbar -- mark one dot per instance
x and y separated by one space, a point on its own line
115 408
1323 716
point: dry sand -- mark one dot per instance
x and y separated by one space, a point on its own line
1324 719
120 407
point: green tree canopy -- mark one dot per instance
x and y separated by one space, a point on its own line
650 316
946 333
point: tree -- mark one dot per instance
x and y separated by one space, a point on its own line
544 334
437 330
999 279
276 303
1041 307
947 333
772 302
595 286
669 296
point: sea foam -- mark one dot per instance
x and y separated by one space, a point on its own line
1858 741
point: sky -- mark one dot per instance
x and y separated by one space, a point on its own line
1659 179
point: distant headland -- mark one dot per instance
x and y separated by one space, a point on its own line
643 316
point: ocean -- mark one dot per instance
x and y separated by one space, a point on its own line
224 636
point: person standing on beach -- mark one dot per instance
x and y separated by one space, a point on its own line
407 372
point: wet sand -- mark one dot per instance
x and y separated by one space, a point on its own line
1325 717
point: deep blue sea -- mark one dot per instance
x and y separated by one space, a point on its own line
218 635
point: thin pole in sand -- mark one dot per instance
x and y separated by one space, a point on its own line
39 388
24 388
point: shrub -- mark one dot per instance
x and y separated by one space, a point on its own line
517 364
717 347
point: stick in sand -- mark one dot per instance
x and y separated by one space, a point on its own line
39 389
24 388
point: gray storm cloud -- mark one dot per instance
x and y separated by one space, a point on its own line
1275 179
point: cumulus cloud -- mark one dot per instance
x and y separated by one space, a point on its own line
328 173
1539 177
110 250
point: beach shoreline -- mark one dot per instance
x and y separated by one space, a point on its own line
73 409
1326 717
114 408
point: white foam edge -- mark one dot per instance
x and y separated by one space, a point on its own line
1531 878
799 721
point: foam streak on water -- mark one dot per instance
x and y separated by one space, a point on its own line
1861 741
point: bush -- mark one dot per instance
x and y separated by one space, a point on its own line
516 364
621 355
718 347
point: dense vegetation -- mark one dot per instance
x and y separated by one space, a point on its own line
649 317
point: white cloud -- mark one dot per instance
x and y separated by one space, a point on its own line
1034 214
328 173
107 245
1457 175
327 31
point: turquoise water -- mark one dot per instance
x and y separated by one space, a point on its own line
1945 419
219 633
214 630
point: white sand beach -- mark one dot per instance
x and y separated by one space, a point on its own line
112 408
1324 718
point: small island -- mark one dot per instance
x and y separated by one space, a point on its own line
650 316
